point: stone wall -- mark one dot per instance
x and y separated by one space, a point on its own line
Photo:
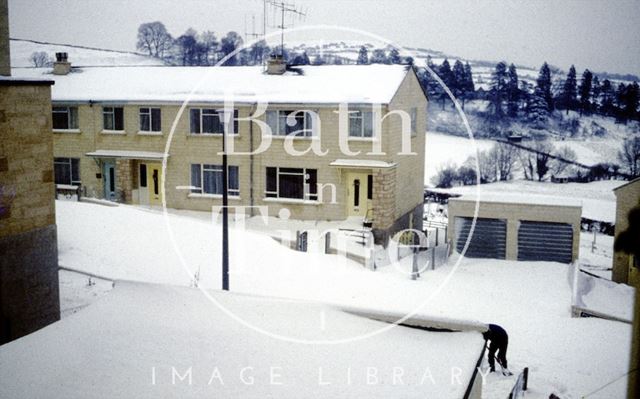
124 179
5 53
28 247
627 197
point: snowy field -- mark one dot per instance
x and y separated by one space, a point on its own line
530 299
21 50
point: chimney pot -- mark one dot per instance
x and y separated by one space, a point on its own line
62 66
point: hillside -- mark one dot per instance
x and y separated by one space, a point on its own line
21 51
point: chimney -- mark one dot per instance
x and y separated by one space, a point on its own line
5 54
61 66
276 65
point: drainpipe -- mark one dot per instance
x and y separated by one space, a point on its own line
251 199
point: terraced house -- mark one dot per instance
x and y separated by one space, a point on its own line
113 125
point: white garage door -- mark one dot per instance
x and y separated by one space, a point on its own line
544 241
488 240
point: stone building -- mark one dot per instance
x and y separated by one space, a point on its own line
28 246
536 228
112 127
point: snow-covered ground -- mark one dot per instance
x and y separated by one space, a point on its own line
532 300
21 51
444 149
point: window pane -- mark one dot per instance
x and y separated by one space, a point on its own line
208 123
312 181
367 124
282 122
308 124
195 178
108 120
291 186
145 122
60 118
75 171
195 120
272 180
212 181
292 170
62 171
155 120
143 175
272 121
370 187
235 122
233 179
119 118
355 124
73 118
295 123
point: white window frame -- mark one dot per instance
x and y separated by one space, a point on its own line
215 112
199 190
69 110
279 116
111 110
68 162
306 186
360 114
148 112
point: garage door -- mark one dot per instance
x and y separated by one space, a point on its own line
545 241
488 240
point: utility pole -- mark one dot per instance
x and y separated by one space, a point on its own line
225 205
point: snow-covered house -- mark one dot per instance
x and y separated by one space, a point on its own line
112 126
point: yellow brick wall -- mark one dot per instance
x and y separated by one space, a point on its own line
627 197
26 164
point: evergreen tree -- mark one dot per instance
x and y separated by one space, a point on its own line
363 56
585 92
620 101
631 101
544 84
445 73
469 87
379 56
228 45
394 56
513 93
499 82
537 109
569 90
607 97
595 93
457 81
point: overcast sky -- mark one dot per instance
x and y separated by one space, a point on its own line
595 34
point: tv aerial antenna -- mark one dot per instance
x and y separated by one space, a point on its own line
284 8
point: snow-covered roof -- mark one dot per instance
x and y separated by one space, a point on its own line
326 84
514 198
126 344
361 163
147 155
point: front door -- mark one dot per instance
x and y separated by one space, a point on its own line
154 177
150 179
359 193
109 180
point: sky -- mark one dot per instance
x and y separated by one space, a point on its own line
595 34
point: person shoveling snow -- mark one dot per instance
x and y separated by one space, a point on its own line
497 348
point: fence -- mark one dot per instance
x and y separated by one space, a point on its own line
520 386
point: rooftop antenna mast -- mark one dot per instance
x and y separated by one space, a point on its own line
284 8
253 34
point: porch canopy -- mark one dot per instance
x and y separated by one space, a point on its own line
126 154
362 164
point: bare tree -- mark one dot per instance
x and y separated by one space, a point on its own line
559 166
505 157
209 43
39 59
535 163
629 155
154 39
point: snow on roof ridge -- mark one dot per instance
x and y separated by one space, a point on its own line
318 84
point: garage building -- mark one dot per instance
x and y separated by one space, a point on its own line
531 228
